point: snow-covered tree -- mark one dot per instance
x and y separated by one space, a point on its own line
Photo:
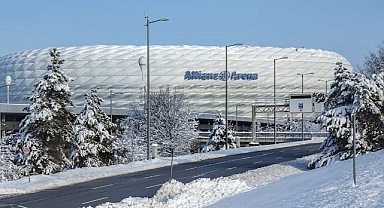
350 94
336 118
94 145
8 170
290 124
369 109
47 130
173 124
216 139
134 134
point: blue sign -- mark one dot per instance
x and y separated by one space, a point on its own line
301 106
198 75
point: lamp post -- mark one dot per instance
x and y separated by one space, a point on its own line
302 91
148 87
274 97
226 92
326 83
8 82
302 80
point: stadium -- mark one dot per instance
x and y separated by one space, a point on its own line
255 74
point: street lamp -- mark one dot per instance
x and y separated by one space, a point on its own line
274 96
302 80
302 91
226 92
326 83
8 82
148 89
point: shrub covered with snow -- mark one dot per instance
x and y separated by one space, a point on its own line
216 139
8 170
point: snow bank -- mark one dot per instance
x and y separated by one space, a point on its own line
282 185
204 192
79 175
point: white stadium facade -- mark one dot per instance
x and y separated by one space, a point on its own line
255 75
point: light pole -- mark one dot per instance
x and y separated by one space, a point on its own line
226 92
326 84
302 80
302 91
8 82
148 89
110 103
274 97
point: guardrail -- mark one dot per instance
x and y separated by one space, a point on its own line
267 137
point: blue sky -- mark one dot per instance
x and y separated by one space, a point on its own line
351 28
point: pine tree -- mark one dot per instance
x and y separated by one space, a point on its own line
216 139
336 117
369 108
47 130
351 94
94 143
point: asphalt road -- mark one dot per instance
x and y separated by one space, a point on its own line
146 183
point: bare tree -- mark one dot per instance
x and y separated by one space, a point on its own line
374 62
173 124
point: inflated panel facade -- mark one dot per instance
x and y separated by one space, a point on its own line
197 71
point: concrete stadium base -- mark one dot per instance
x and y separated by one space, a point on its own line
254 144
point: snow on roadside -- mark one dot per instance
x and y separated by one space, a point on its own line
330 186
204 192
265 175
79 175
174 194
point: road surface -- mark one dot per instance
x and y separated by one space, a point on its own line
146 183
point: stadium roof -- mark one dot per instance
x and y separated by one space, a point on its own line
196 71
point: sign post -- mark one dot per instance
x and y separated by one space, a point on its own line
26 151
354 147
301 103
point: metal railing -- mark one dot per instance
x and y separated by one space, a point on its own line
268 136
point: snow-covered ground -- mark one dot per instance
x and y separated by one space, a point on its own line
289 184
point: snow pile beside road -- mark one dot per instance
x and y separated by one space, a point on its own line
79 175
204 192
329 186
174 194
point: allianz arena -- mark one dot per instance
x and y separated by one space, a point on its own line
197 71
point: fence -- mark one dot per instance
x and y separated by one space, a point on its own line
246 137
